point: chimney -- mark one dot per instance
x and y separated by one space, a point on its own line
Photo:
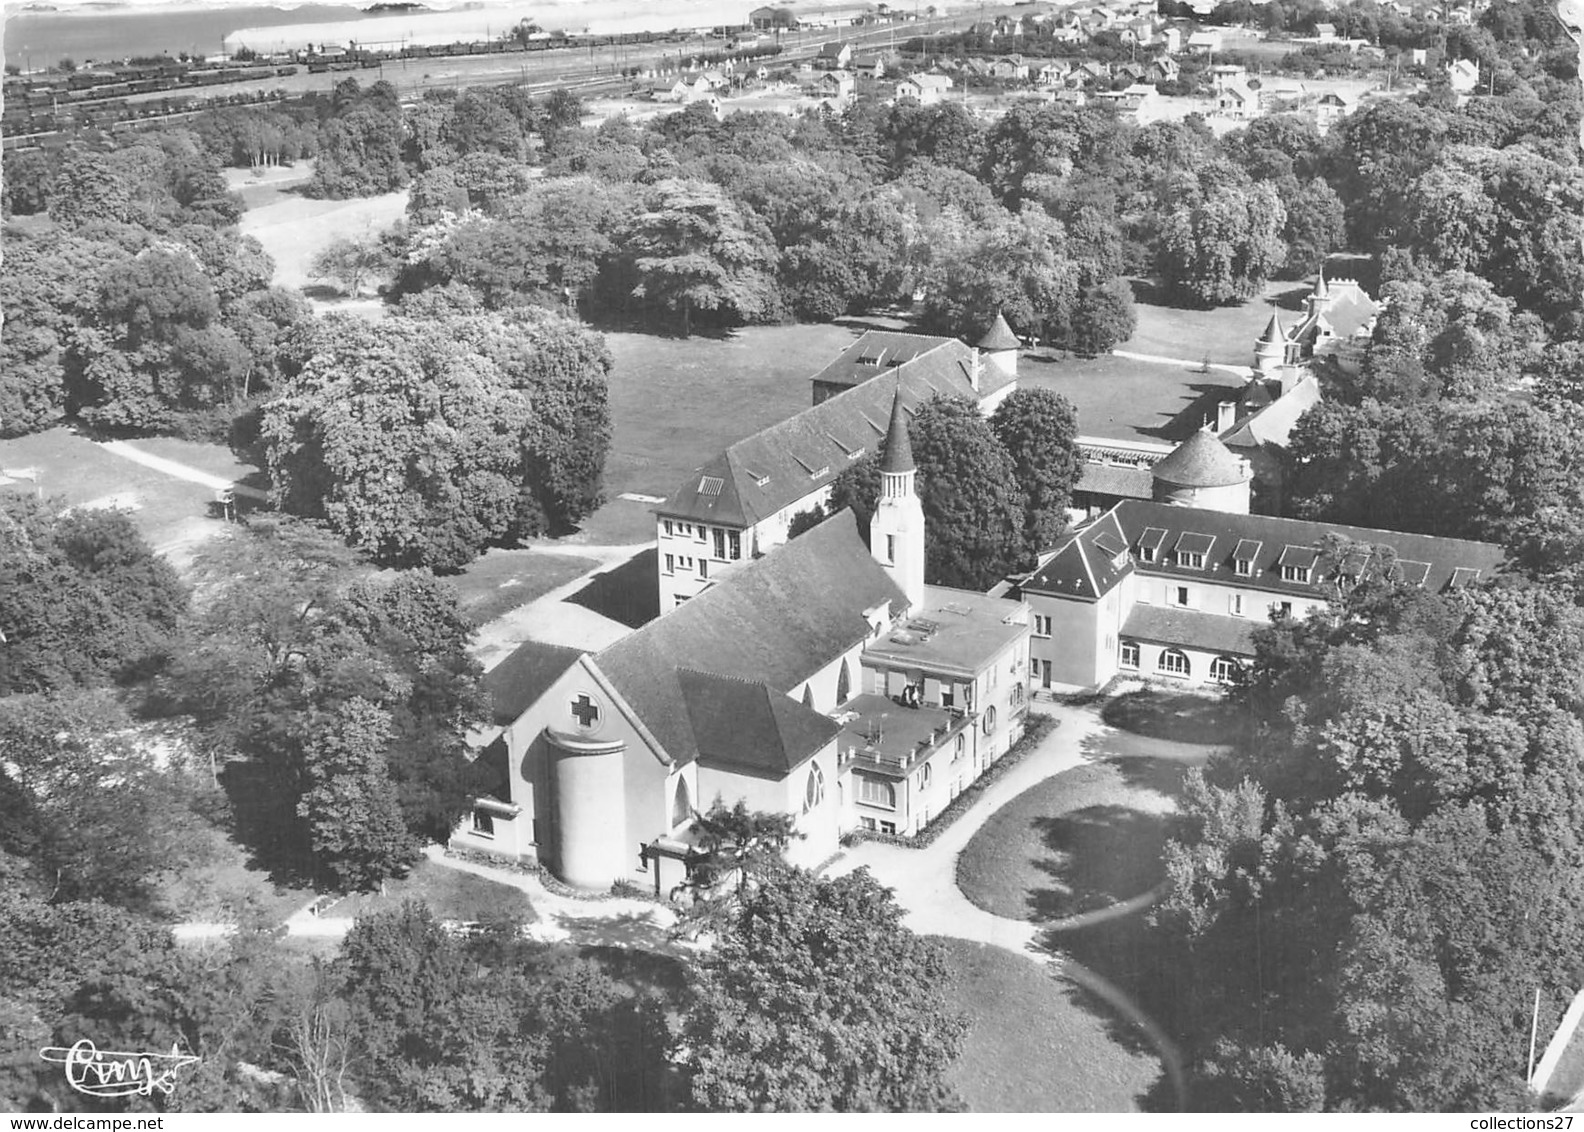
975 368
1226 415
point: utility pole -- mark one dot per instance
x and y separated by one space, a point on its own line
1534 1033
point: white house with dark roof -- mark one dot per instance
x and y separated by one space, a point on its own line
1176 592
741 503
822 681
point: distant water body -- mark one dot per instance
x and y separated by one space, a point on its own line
116 31
103 31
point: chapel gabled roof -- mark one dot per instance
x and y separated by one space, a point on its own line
773 622
740 725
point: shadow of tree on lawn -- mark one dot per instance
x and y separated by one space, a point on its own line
1102 855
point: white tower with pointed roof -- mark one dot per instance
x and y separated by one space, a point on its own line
1000 345
1270 352
896 533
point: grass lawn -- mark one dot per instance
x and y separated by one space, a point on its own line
450 893
293 229
1226 334
1081 840
165 509
501 580
677 402
1031 1046
1122 399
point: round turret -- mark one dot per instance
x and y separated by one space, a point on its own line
1001 346
1203 472
1270 352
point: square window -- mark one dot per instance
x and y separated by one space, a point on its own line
483 823
1130 654
1243 567
1178 595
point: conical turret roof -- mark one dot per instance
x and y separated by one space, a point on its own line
898 448
1201 461
999 336
1274 334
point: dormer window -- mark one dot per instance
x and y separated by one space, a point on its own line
1244 556
1191 550
1150 543
1297 563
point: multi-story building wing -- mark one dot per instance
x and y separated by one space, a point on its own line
1176 592
741 504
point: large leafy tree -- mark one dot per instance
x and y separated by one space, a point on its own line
83 598
973 503
1220 245
818 999
355 826
289 632
1015 265
494 1023
94 808
1039 429
692 250
425 442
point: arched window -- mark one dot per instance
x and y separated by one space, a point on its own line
926 775
682 807
989 720
814 790
1224 669
808 696
962 746
843 683
1174 662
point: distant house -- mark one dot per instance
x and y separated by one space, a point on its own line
1277 94
1072 97
837 86
868 66
1325 32
1133 72
1172 40
1162 70
1091 70
1010 68
1464 76
835 56
1225 73
1333 106
1204 42
1236 100
924 89
1052 73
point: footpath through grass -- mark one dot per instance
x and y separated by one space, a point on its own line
1034 1044
450 893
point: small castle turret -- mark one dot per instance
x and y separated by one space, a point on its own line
1001 345
1270 352
1203 472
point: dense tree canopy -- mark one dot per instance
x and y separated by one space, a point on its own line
973 503
771 1030
425 442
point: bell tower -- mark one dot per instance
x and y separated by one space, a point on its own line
896 533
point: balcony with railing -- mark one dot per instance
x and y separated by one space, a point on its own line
880 734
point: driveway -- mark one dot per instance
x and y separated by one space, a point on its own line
925 880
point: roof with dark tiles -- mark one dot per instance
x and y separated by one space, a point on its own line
1201 461
518 681
1082 569
761 474
741 725
1168 625
774 622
